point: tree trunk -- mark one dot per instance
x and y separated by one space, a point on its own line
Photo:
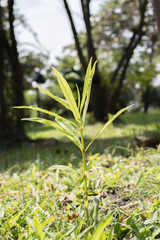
120 72
76 39
156 7
86 15
115 94
97 93
146 101
17 73
2 101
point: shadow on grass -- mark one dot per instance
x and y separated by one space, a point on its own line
63 152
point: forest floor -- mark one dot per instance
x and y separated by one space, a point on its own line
41 184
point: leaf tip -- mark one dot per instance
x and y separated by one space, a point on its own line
131 105
54 69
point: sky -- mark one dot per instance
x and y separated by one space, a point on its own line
49 21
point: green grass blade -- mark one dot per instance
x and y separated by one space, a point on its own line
108 123
56 126
16 217
68 94
58 99
38 228
97 234
88 93
86 81
85 232
47 112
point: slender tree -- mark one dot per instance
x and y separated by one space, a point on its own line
17 71
98 92
156 7
2 101
121 69
76 38
11 78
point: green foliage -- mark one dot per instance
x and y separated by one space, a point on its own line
79 111
99 230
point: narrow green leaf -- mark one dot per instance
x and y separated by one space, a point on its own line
85 87
155 234
64 233
43 121
103 236
97 234
69 129
78 95
38 228
80 225
63 168
58 99
56 126
46 222
85 232
68 94
15 218
88 93
47 112
107 124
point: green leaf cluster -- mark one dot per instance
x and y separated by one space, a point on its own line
72 130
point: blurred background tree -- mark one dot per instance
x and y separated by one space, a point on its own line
122 33
15 69
156 7
11 76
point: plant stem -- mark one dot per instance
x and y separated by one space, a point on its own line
84 175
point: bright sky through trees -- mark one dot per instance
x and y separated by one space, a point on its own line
48 19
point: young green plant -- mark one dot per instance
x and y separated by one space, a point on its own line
73 130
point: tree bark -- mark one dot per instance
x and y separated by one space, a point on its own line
98 92
156 7
146 99
115 94
76 38
2 100
86 15
17 73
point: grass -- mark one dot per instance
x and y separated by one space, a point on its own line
39 200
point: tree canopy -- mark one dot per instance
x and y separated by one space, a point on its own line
120 34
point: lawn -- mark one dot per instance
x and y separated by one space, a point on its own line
41 184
